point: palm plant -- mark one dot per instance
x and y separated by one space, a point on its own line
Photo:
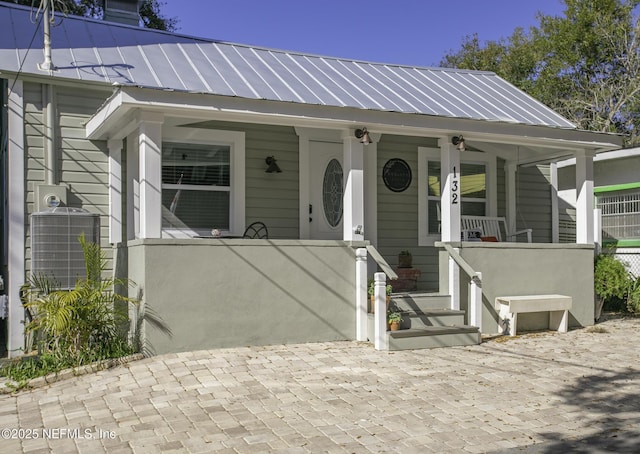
84 321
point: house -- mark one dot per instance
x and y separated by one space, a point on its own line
168 138
617 194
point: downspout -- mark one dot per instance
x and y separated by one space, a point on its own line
49 131
47 98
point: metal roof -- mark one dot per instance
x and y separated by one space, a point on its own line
97 51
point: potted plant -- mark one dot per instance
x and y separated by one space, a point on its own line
394 319
372 290
405 259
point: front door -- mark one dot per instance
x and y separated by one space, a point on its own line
326 189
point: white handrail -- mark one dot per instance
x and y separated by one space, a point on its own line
382 263
462 263
475 277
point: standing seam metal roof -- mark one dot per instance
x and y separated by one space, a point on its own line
97 51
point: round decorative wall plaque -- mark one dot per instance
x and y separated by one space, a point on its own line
396 175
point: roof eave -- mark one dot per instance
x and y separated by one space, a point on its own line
113 121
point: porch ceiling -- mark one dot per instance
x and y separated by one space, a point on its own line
118 117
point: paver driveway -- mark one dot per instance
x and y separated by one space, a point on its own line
543 393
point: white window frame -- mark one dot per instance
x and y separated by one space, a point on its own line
236 142
619 191
466 157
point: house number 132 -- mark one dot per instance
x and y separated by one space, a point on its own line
454 187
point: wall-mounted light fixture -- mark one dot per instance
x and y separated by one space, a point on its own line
458 141
273 166
363 135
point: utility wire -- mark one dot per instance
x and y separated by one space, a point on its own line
35 33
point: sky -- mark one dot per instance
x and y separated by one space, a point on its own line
411 32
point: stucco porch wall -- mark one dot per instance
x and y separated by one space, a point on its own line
527 269
215 293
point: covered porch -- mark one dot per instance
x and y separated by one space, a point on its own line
456 167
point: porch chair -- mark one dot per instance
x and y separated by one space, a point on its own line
256 230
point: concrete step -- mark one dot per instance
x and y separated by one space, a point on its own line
416 321
433 337
412 320
427 322
433 317
420 301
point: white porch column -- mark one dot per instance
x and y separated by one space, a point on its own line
133 188
353 204
454 283
555 214
475 300
380 317
511 168
584 197
115 191
450 210
371 197
304 176
371 190
150 149
361 294
16 220
451 197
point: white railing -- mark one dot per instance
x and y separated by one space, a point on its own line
382 263
475 295
380 295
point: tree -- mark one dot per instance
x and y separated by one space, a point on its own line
149 11
151 17
585 64
513 59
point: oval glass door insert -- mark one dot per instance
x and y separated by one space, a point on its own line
332 193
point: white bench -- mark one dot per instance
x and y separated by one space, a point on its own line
491 227
510 306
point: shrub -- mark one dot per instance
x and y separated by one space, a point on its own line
74 327
633 297
394 317
611 281
372 288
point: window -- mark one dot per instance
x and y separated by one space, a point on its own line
433 196
473 191
195 186
477 189
202 182
620 214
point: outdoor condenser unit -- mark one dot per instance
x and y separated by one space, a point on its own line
55 250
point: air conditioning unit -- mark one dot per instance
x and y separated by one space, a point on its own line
56 252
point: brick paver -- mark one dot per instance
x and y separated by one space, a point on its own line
541 392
